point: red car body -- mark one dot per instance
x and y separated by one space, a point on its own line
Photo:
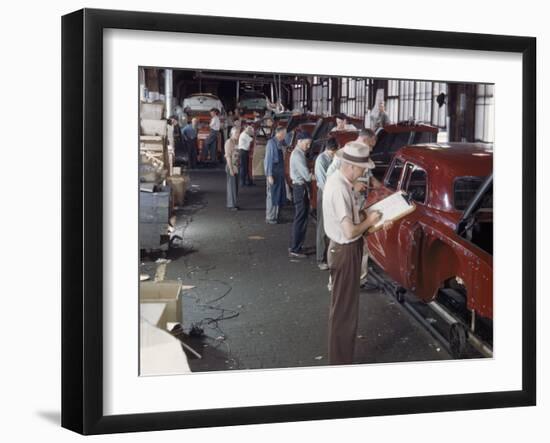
202 113
428 249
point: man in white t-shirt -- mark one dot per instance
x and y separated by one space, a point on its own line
211 143
345 224
245 141
368 137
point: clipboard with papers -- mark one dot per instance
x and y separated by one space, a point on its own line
392 208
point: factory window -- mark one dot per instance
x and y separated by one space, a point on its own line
406 99
485 113
344 95
299 97
423 102
392 100
361 92
320 96
439 105
351 97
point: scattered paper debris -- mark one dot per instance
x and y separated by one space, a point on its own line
438 349
162 261
256 237
186 287
319 357
144 277
161 272
220 338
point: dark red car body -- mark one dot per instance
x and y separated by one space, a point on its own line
427 250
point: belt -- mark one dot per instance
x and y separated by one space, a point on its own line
345 244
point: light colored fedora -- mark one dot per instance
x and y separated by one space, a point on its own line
357 154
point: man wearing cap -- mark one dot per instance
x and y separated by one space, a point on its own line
361 186
366 136
345 226
301 179
274 166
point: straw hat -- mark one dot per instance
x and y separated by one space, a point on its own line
357 154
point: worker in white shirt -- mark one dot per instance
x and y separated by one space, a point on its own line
211 142
361 187
345 224
245 141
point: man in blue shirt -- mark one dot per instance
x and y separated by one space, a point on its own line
189 136
301 179
323 161
274 165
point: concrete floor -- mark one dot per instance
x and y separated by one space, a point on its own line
257 307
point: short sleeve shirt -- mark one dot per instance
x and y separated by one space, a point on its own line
232 152
339 202
215 123
244 141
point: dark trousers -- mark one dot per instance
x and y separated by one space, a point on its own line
344 263
191 148
301 212
243 168
210 145
321 238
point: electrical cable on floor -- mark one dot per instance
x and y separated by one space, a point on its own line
225 314
212 322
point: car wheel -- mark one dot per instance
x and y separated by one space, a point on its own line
458 336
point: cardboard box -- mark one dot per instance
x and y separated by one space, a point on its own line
154 313
151 111
178 183
153 127
166 291
258 161
151 142
160 353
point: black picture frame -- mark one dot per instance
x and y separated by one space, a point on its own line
82 215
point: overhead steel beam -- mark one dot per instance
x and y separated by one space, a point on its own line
258 80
